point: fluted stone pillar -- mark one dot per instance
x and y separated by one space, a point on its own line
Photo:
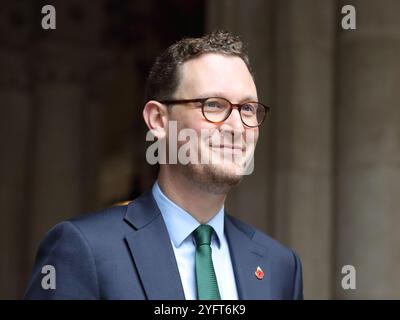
251 201
63 63
57 160
292 49
368 151
303 136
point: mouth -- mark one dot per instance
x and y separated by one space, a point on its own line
229 148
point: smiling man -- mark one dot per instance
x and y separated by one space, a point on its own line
176 241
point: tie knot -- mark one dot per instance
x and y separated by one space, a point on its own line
202 235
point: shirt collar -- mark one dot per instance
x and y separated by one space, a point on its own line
180 223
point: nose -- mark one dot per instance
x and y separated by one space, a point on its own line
234 121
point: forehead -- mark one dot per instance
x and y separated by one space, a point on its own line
215 73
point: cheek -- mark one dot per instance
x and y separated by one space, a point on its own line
192 127
188 118
256 135
251 136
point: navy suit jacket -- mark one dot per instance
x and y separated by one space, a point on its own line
125 253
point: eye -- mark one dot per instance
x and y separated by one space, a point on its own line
249 108
213 105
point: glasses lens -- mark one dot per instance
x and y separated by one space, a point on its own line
216 109
252 114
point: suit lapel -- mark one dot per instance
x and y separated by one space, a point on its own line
154 258
246 256
152 251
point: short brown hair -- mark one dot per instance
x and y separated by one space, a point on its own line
163 78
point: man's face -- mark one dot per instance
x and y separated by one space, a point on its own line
230 144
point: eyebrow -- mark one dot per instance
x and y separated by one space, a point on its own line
221 95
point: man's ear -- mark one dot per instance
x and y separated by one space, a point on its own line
155 115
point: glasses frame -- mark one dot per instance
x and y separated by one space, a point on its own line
237 105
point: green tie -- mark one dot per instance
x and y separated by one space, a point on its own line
207 286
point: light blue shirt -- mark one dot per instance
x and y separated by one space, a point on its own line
180 225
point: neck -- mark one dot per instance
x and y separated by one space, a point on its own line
202 205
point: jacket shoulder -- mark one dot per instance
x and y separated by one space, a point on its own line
103 227
261 238
101 219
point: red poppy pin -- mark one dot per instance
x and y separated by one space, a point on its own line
259 273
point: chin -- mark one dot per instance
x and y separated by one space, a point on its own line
228 164
213 178
229 171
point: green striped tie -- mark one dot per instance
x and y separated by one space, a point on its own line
207 286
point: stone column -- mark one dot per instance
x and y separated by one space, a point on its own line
289 196
368 152
252 20
63 61
57 182
303 136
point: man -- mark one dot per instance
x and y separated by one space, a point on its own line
176 241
